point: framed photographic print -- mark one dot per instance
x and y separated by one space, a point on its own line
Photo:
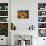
22 14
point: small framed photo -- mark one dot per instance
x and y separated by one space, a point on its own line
23 14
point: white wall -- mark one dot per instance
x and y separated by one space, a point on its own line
21 5
22 25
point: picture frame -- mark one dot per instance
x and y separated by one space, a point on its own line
23 14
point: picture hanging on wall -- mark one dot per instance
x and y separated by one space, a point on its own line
23 14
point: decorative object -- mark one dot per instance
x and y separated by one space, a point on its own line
31 27
3 19
42 32
3 13
41 13
6 7
27 38
0 7
41 19
4 29
41 6
3 26
42 25
23 40
3 6
13 27
23 14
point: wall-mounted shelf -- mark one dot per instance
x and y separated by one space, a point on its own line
3 16
42 16
41 22
3 10
42 19
4 19
3 22
41 28
41 10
